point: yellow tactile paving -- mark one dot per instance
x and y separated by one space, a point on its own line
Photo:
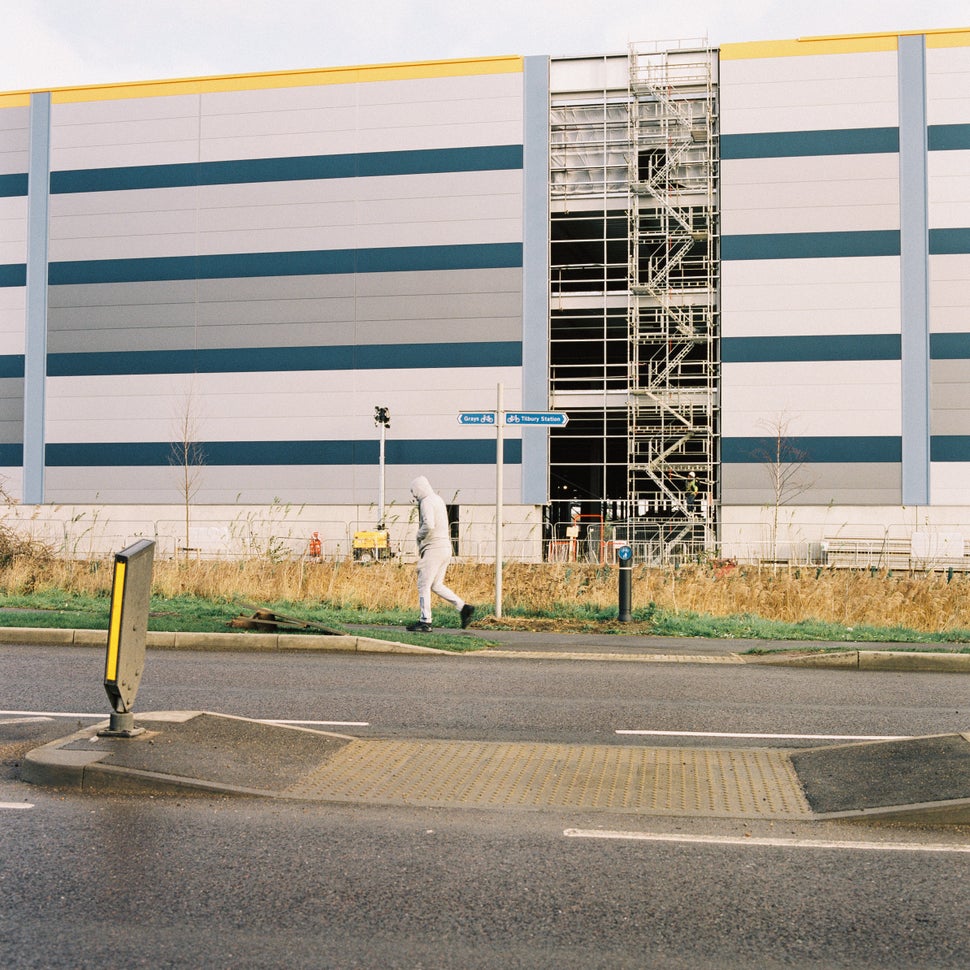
684 781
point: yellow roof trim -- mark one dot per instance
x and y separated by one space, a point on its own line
949 38
843 44
276 79
856 44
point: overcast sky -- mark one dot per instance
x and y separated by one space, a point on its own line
55 43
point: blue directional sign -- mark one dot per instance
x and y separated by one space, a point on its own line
543 419
476 417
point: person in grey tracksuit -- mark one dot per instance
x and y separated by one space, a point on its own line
434 549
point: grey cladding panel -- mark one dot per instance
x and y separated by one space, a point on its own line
11 410
469 305
822 484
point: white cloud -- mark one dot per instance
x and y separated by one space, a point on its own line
49 43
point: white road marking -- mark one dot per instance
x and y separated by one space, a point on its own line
15 805
767 843
26 720
42 715
770 737
321 723
56 714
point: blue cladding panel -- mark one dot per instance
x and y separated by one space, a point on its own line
949 242
950 448
884 346
13 274
948 138
811 245
950 346
794 144
367 165
810 450
11 455
313 263
275 359
11 365
461 451
13 185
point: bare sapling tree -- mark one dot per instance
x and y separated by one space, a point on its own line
188 457
784 463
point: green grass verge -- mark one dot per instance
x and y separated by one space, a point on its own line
190 614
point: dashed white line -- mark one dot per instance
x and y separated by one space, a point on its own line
15 805
768 737
767 843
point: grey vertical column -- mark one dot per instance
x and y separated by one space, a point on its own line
535 277
35 337
914 271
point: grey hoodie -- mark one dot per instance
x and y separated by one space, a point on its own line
433 532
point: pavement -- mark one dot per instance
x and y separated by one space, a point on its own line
922 780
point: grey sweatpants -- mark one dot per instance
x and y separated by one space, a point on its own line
431 579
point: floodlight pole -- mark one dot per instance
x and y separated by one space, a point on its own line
382 418
499 475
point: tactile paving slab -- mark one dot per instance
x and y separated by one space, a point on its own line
681 781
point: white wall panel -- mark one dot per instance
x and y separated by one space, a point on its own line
414 210
274 406
460 135
277 100
782 297
813 194
950 485
950 293
949 189
809 93
124 131
13 315
947 83
263 126
13 229
14 140
333 485
463 88
814 397
369 117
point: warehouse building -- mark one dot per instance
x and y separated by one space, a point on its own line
742 273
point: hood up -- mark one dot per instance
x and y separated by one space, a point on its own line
421 487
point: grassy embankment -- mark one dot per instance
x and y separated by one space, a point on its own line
748 602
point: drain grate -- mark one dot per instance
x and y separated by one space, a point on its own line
683 781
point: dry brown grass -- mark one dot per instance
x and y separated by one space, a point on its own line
923 602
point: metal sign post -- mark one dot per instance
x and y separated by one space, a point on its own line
625 556
127 630
517 419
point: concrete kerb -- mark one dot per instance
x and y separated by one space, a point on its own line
269 642
883 660
841 659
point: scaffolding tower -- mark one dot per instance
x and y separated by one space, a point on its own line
673 301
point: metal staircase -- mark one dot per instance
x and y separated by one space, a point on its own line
673 301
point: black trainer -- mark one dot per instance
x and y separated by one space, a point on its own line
419 627
467 612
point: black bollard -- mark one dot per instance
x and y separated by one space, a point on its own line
625 556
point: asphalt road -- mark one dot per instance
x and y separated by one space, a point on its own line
482 698
187 882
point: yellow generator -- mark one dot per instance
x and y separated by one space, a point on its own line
371 545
